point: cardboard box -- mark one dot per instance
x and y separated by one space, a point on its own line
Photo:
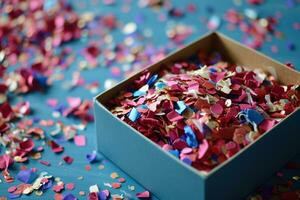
169 178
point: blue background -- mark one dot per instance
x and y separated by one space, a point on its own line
69 173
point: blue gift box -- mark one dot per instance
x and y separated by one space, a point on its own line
169 178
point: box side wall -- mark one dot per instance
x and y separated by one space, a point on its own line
241 55
160 173
247 170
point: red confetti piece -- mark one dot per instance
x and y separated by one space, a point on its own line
68 159
116 185
216 109
55 147
27 145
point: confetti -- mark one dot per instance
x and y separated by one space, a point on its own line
92 157
204 115
26 176
134 114
69 160
69 197
116 185
80 140
70 186
94 188
5 161
46 163
143 195
214 23
114 175
55 147
104 194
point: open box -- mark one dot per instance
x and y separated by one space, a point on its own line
169 178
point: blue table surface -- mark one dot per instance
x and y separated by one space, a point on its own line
70 173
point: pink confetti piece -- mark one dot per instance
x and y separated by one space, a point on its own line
5 161
80 140
74 101
203 147
143 195
70 186
52 102
12 189
216 109
267 124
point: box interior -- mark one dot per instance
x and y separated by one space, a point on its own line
231 51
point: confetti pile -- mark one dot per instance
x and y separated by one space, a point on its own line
204 112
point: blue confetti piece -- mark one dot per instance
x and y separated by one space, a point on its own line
191 139
69 197
139 93
26 176
174 153
92 157
102 195
187 161
143 106
49 4
252 116
134 114
152 80
42 80
13 196
180 107
160 85
47 185
214 157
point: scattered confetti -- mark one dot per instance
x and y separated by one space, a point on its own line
69 160
37 57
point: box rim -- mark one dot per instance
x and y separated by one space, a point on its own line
202 174
256 51
219 34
